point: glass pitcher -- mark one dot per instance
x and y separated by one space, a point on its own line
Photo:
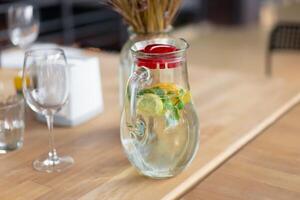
159 125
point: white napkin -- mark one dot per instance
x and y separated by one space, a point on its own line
14 58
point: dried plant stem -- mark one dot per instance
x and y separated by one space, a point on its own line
147 16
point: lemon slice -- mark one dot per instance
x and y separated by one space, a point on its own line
170 87
150 105
186 97
18 82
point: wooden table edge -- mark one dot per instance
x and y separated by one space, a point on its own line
199 175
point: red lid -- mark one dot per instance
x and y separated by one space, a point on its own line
159 48
170 61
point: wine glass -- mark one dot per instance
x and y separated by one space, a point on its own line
46 92
23 24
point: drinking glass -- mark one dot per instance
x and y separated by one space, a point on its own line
46 88
11 123
23 24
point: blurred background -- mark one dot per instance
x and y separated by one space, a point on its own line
229 28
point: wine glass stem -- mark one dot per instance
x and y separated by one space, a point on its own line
52 151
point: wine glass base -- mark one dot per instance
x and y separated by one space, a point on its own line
46 164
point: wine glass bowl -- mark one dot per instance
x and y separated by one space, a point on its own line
23 24
46 70
46 88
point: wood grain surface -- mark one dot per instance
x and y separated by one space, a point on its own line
233 108
267 168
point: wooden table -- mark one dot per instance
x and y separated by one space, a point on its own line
266 168
233 109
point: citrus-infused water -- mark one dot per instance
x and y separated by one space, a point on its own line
161 144
159 125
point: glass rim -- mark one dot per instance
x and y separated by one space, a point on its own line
17 102
37 52
22 4
139 53
168 29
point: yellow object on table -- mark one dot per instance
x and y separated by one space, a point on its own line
18 81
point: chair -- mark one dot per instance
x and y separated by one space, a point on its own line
284 36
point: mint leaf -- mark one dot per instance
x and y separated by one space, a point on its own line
168 104
158 91
181 92
180 105
176 114
145 91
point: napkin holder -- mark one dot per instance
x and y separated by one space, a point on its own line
85 96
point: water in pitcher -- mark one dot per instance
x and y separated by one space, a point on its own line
159 125
161 144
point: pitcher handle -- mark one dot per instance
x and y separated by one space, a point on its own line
140 77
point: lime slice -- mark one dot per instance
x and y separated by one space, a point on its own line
150 105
